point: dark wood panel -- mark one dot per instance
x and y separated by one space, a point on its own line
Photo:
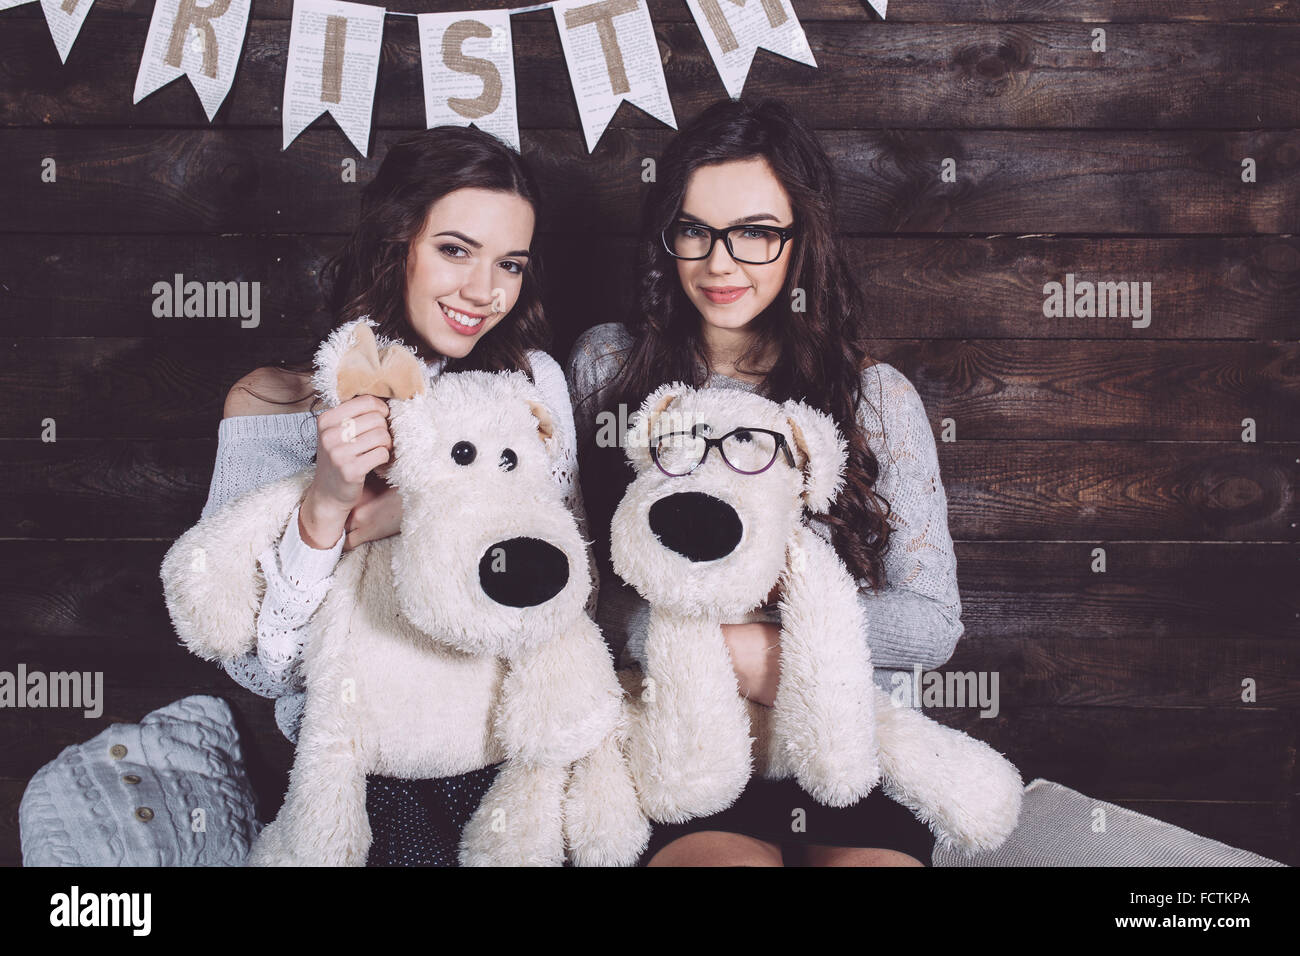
934 287
140 181
161 387
1022 594
1092 670
1127 753
1030 490
911 11
1153 76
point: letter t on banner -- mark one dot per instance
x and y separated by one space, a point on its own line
733 30
469 72
612 55
201 42
333 61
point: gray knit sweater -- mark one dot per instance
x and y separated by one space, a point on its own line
916 617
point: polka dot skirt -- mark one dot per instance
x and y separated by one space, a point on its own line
419 822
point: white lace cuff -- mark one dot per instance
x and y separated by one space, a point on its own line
298 577
300 563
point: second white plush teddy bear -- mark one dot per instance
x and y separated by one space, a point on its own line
713 520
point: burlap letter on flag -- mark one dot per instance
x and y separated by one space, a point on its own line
198 41
333 61
733 30
612 55
469 72
64 18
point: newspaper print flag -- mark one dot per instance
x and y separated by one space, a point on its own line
64 18
200 42
612 56
333 62
733 30
469 72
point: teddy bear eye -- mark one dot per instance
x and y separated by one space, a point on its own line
463 452
508 459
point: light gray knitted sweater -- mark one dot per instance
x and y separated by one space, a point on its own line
916 617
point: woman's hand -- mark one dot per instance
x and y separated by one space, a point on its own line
352 439
378 515
756 657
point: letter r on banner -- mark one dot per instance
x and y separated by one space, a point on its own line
190 15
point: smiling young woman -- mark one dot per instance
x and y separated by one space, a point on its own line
742 283
440 259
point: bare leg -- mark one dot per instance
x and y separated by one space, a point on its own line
715 848
856 856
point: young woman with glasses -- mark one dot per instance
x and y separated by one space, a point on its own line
741 283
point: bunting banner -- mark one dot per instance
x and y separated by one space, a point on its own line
200 42
466 57
733 30
64 18
612 56
333 64
469 72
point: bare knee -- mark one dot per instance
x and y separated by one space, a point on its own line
715 848
857 856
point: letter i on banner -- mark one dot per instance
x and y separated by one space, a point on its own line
333 62
469 72
64 18
733 30
612 55
201 42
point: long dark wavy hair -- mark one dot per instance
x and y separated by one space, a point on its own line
367 275
820 353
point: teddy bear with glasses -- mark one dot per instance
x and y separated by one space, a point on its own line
712 522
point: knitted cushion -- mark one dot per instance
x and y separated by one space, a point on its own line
1056 829
129 796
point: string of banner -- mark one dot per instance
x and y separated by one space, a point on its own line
466 57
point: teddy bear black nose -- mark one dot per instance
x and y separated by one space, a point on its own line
696 526
523 572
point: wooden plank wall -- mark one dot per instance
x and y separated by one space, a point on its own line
1072 433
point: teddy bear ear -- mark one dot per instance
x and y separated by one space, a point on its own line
636 443
820 451
352 361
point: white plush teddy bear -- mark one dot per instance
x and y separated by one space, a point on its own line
713 520
457 644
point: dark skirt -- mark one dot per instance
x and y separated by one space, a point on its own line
420 822
769 810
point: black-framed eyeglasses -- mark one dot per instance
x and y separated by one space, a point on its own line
750 451
754 244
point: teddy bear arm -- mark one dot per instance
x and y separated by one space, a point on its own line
212 584
823 716
689 741
519 821
964 790
560 699
603 822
